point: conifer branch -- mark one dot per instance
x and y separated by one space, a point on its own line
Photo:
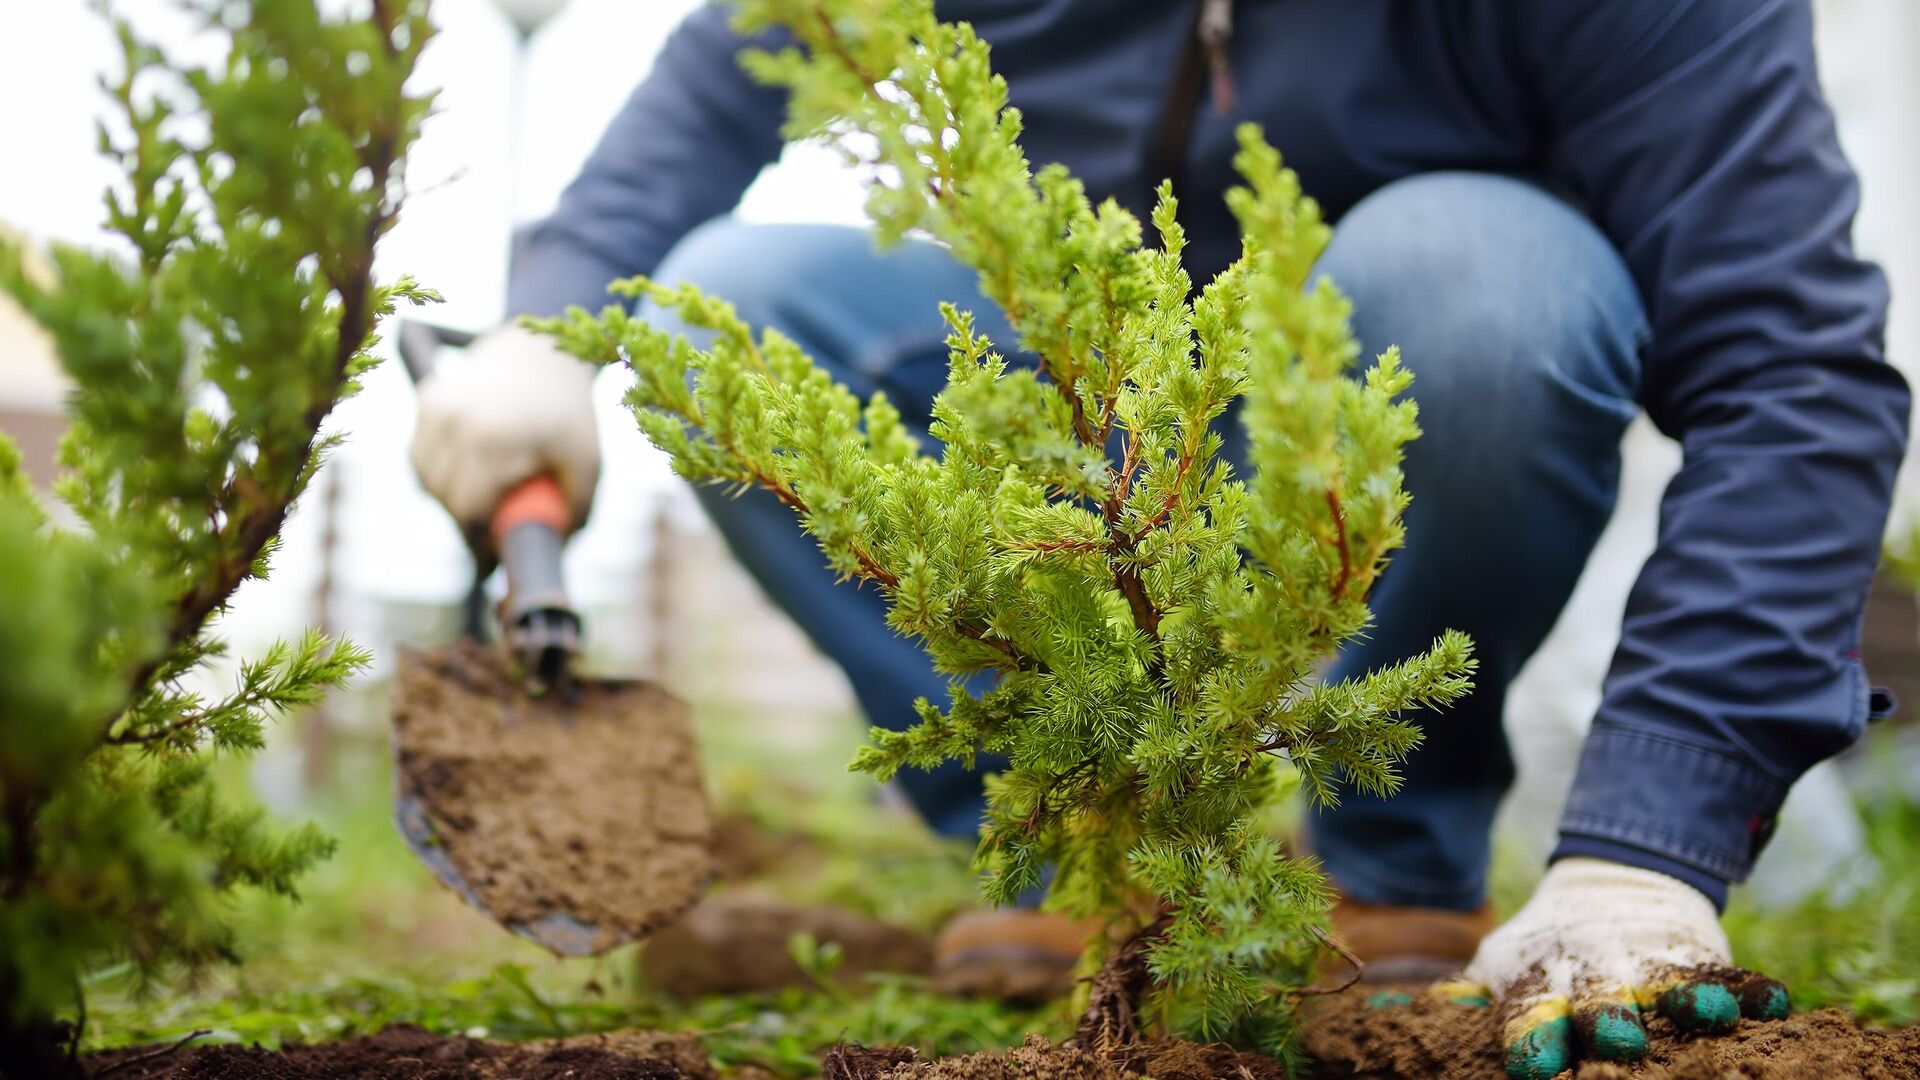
1183 606
255 515
202 370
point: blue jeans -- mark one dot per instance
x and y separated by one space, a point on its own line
1524 332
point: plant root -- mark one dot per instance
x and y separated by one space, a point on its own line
1110 1026
850 1061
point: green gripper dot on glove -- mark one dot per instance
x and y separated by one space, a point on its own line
1764 999
1700 1006
1542 1051
1617 1034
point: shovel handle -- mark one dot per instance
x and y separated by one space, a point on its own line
537 501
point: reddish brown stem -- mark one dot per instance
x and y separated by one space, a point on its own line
1020 660
1055 547
1160 516
1121 545
154 1054
1340 537
1356 967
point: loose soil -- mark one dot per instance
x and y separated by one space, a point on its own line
1425 1040
1037 1059
409 1053
1428 1038
589 805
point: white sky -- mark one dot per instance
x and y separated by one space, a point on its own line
393 541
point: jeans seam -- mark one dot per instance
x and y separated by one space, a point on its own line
1623 409
1635 331
1420 888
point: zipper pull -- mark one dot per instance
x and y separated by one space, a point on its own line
1216 30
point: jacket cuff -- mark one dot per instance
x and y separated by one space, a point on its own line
1656 801
1589 847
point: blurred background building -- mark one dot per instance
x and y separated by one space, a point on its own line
525 88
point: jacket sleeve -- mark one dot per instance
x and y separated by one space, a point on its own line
686 144
1697 135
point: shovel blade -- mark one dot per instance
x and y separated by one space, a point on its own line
579 822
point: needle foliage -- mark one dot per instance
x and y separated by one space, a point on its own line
1151 618
204 355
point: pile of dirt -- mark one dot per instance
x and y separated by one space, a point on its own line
408 1053
1352 1035
589 804
701 952
745 848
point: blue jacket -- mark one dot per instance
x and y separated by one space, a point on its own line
1694 133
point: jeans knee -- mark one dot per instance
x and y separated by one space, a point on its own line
1490 283
759 269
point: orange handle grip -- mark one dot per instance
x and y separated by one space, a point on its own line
537 501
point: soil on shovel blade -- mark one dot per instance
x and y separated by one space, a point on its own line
591 807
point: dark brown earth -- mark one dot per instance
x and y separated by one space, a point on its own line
1429 1038
1426 1040
588 804
408 1053
1037 1059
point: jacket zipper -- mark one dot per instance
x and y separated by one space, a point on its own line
1202 58
1214 28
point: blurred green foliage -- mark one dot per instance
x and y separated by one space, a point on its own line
1859 951
204 355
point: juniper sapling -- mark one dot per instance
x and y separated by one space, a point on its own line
1153 619
203 359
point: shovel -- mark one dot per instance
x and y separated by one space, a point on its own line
570 810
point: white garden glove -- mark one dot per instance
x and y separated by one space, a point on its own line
1597 944
513 408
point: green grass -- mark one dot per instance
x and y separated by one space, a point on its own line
375 941
1862 954
785 1032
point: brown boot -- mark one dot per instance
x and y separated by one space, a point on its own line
1408 944
1012 954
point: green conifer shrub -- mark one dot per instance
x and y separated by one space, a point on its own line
1155 620
203 360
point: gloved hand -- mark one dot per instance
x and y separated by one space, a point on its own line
1596 945
514 408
